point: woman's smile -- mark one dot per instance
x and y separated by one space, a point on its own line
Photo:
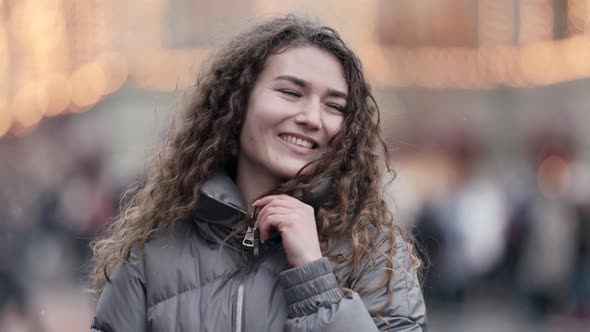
304 142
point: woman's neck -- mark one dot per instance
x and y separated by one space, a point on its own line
253 183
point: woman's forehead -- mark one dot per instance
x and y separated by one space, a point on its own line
310 64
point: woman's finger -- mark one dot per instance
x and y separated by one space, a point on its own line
269 218
269 210
269 223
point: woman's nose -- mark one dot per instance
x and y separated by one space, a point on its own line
310 114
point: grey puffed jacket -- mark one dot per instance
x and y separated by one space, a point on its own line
196 282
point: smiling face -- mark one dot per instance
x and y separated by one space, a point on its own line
294 110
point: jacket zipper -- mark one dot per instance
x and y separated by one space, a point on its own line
239 305
240 294
251 240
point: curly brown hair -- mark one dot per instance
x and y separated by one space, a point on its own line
207 138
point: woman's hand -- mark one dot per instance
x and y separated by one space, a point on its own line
296 223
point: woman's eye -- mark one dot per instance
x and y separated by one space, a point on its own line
336 107
290 93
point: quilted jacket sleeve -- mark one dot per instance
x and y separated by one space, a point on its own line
122 305
316 303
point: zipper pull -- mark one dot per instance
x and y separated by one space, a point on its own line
252 236
249 238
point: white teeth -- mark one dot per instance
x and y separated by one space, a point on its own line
298 141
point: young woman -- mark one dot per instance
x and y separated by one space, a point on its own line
263 211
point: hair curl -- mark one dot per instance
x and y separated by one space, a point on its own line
208 136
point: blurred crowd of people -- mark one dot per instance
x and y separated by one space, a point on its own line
520 230
55 198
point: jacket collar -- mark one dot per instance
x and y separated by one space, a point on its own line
220 201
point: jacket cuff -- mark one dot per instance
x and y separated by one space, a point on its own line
310 286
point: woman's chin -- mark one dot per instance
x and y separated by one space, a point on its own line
288 172
292 172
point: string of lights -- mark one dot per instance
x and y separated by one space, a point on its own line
60 56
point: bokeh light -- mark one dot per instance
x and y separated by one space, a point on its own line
116 70
59 92
4 56
89 84
5 117
578 14
165 70
29 105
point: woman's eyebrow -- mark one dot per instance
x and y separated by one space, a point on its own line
303 84
337 94
292 79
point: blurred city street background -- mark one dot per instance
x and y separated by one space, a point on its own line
484 104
